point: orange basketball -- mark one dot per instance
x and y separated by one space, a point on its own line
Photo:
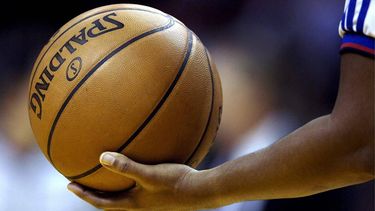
125 78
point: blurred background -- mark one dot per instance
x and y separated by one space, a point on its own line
279 66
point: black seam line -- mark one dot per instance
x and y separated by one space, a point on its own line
93 70
211 109
90 16
152 114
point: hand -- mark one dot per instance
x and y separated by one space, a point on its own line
158 187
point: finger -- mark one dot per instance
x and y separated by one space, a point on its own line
105 200
120 164
91 197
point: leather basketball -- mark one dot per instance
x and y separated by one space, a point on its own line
125 78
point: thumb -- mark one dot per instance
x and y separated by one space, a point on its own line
121 164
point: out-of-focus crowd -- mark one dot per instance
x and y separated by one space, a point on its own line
279 66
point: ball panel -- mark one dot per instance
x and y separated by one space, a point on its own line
59 87
213 125
83 17
176 129
115 101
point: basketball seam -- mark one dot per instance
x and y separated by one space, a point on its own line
154 111
167 92
210 114
88 75
33 72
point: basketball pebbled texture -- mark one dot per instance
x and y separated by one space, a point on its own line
125 78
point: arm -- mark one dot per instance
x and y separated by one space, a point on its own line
329 152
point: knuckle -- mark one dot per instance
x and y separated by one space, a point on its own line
122 165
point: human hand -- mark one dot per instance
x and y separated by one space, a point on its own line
158 187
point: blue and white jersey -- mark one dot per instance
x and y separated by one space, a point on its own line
357 27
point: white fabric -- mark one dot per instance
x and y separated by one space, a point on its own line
369 23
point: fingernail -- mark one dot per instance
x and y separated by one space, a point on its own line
107 159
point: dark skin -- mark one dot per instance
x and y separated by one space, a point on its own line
332 151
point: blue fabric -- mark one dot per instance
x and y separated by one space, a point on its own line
362 15
360 39
350 15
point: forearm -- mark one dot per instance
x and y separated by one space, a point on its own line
308 161
329 152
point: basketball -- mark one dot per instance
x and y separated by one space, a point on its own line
125 78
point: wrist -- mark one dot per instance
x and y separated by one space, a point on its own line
207 188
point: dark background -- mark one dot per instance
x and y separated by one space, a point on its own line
293 45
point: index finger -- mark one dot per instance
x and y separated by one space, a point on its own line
104 200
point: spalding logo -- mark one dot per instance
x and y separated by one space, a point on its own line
73 68
99 27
